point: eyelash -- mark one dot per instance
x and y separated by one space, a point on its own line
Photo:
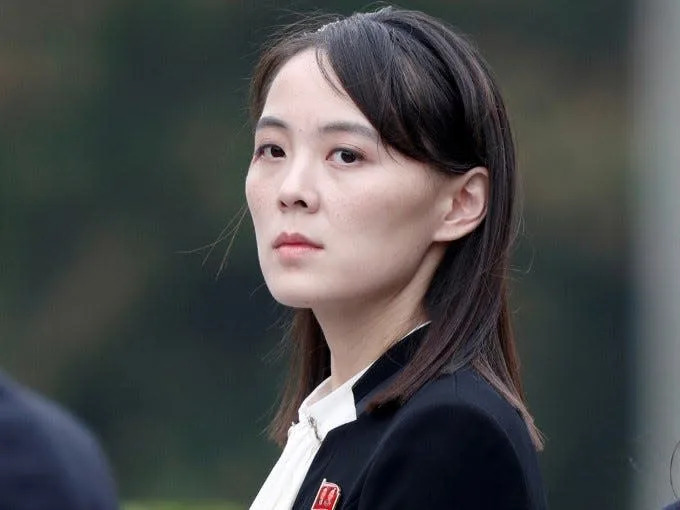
358 155
355 153
259 152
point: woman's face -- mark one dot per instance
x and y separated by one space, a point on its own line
338 219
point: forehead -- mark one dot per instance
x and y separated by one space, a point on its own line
301 90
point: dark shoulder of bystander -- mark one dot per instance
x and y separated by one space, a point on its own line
48 460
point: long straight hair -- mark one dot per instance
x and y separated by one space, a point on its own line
431 97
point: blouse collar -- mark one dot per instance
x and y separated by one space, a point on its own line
325 410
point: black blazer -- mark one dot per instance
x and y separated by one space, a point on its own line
47 460
456 444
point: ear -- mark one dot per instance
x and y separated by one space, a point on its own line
463 200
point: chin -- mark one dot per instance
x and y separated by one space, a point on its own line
306 292
294 294
293 299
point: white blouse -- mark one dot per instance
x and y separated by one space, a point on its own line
322 411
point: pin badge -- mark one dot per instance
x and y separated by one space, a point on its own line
327 497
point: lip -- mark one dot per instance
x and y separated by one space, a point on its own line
294 240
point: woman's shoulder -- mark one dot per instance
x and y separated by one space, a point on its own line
458 432
467 422
465 396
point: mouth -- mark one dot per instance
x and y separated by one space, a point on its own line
295 240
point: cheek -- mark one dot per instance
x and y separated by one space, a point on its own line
257 196
261 204
383 235
385 213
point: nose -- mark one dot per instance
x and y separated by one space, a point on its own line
298 189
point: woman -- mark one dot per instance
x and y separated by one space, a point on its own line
381 190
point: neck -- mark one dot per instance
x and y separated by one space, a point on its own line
358 335
359 330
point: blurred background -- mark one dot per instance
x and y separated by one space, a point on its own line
124 143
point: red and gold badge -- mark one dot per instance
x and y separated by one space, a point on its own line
327 497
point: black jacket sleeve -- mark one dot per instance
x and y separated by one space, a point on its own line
445 456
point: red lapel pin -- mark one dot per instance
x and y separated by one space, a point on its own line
327 497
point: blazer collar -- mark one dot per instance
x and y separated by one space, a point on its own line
386 367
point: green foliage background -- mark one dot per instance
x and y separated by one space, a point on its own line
124 143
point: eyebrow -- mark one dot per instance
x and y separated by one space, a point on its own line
265 122
350 127
332 127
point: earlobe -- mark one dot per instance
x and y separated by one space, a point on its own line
464 203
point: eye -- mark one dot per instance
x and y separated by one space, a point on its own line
346 156
270 151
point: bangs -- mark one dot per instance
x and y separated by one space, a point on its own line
408 85
402 88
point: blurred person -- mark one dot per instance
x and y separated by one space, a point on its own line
674 457
381 191
48 461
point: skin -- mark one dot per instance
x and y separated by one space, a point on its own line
381 221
